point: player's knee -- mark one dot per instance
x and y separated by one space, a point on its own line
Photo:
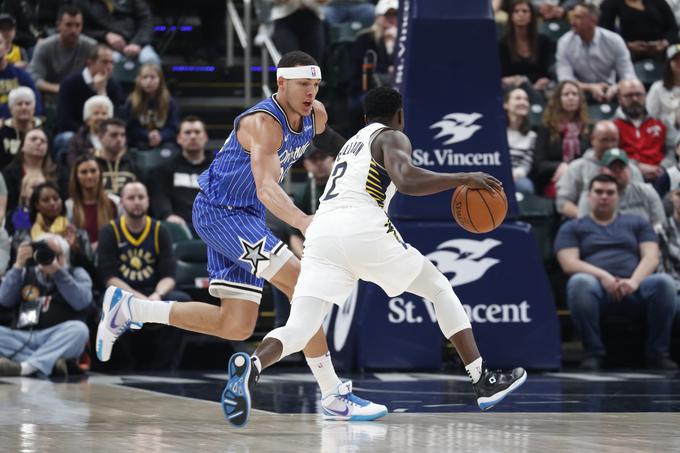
235 326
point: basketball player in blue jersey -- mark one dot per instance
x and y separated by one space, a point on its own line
352 238
243 182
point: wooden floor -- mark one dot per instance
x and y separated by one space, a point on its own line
100 415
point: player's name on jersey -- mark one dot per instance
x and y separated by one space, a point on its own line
447 156
351 147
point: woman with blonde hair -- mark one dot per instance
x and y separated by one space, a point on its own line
89 206
150 111
562 137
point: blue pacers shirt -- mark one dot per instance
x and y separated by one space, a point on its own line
229 180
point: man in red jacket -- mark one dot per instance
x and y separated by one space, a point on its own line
641 136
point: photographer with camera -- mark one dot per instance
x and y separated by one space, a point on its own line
51 299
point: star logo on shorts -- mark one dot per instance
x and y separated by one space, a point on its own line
253 254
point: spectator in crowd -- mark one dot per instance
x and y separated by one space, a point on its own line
521 139
61 54
3 204
151 112
47 215
669 242
15 54
86 141
51 300
19 218
125 26
663 100
116 166
592 55
611 259
526 55
318 163
675 7
79 87
12 77
549 9
89 207
298 26
641 136
34 19
341 11
572 188
635 197
563 136
32 160
176 183
647 26
21 101
671 175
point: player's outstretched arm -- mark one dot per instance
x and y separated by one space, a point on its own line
395 149
262 136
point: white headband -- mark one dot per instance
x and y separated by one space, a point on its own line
299 72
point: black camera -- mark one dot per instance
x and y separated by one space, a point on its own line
42 253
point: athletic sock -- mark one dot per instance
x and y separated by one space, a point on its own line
257 363
27 369
157 311
474 370
323 371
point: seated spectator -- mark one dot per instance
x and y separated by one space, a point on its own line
127 27
563 136
21 103
521 139
647 26
116 166
549 9
33 159
663 100
35 19
78 88
318 164
8 29
86 141
62 54
592 55
669 243
299 26
635 197
572 188
671 176
47 215
526 55
12 77
176 183
151 112
611 259
51 301
342 11
19 218
641 136
89 207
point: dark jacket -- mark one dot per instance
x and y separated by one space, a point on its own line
129 18
548 156
138 129
33 18
73 92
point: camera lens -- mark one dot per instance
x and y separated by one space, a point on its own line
42 253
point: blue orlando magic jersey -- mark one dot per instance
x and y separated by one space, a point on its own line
229 180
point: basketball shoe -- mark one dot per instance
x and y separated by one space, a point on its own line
494 385
115 320
236 400
342 404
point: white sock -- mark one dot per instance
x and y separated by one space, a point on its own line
27 369
157 311
255 360
323 371
474 370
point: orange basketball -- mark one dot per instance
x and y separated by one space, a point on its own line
478 210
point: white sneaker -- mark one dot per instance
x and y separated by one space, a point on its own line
342 404
115 320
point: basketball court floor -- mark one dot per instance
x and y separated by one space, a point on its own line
556 412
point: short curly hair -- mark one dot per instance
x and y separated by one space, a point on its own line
382 102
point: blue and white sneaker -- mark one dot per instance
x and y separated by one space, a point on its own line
494 385
342 404
115 320
236 395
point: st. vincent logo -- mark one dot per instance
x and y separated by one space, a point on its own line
458 127
463 260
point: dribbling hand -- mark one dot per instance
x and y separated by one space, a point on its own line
481 180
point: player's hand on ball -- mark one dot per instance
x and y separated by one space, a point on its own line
481 180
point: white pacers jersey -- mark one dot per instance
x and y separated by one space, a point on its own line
357 179
351 237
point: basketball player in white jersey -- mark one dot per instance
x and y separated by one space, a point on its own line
352 238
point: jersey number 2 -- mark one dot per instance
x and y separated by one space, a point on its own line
338 171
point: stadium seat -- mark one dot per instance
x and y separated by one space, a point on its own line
597 112
178 232
536 114
148 160
191 273
648 71
539 212
554 29
125 72
344 32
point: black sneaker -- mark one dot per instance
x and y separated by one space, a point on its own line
9 367
236 401
661 363
494 385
